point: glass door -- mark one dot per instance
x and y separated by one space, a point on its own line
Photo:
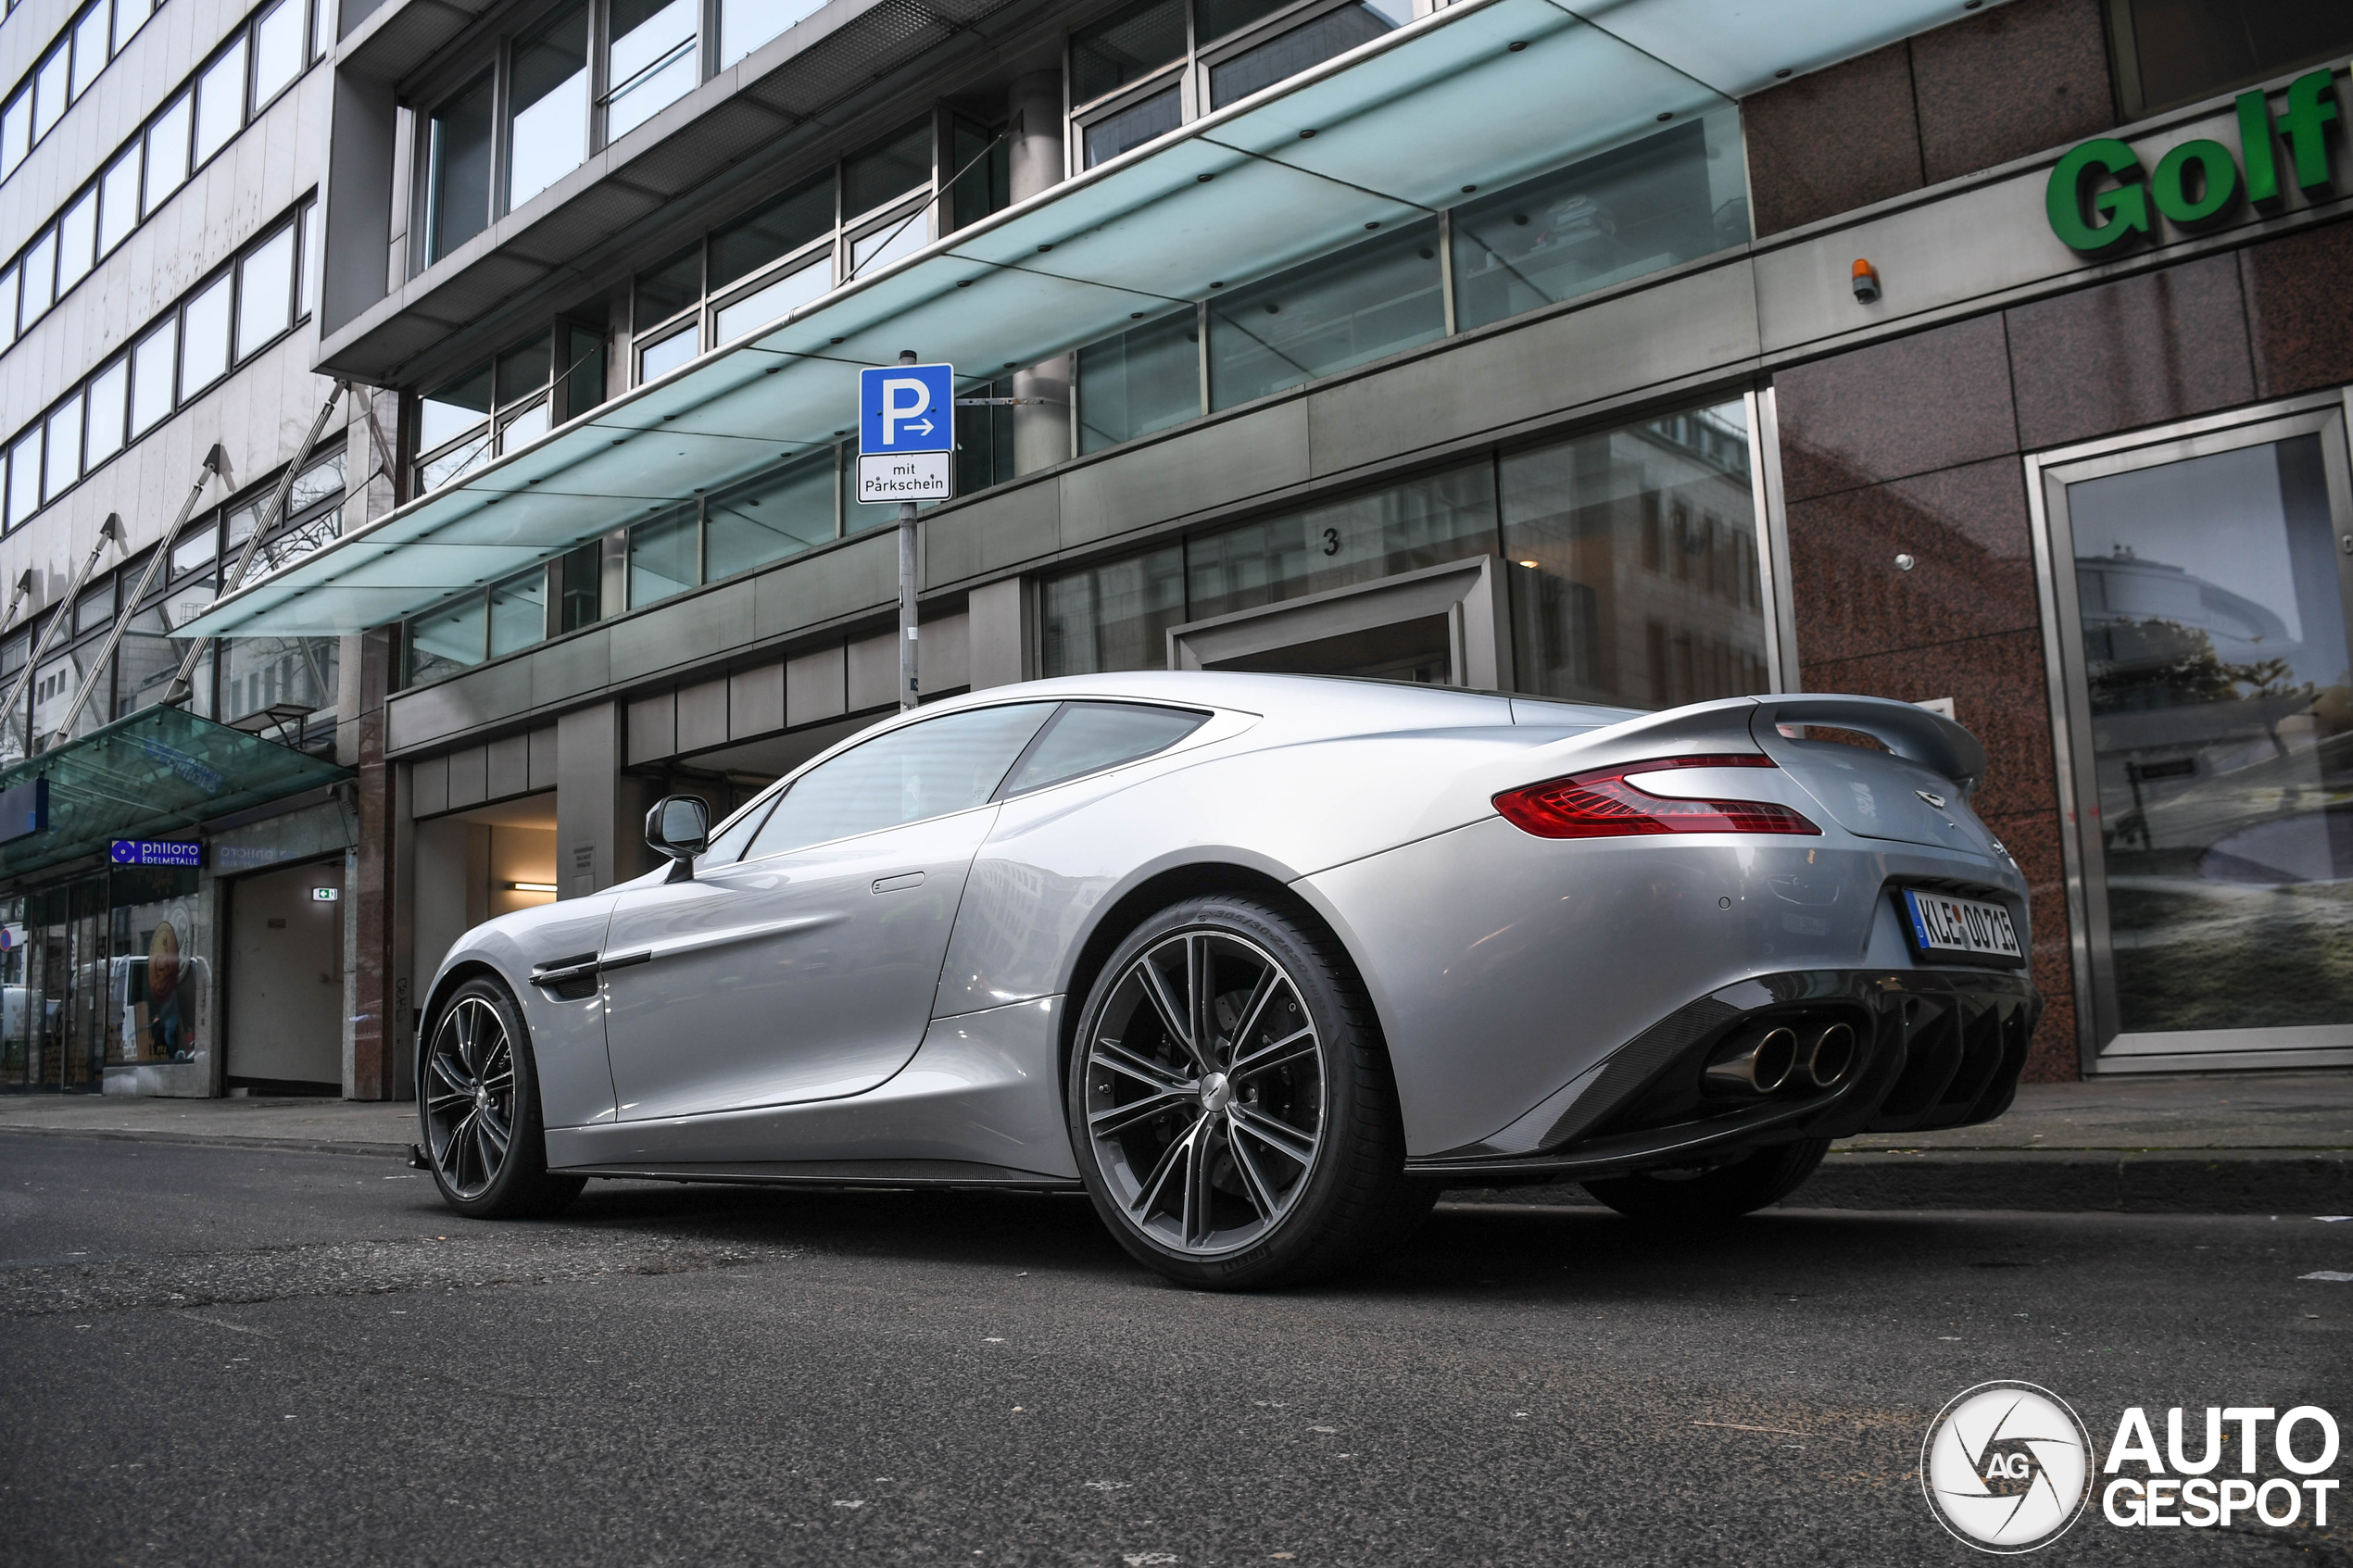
2201 587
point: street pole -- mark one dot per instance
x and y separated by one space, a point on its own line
907 586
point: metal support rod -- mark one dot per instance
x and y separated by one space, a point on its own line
214 461
15 600
907 587
111 529
182 685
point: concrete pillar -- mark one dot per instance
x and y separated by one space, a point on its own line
997 621
600 809
381 1015
1038 160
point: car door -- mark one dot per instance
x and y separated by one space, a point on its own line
806 969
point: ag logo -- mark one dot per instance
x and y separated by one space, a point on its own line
2006 1467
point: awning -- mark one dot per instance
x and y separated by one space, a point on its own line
1482 92
160 770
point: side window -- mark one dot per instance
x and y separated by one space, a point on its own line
925 770
727 845
1090 737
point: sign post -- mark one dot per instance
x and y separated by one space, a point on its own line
906 446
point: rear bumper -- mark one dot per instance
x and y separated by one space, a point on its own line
1939 1048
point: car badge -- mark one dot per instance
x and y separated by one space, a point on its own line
1935 800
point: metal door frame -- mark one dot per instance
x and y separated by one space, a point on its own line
2047 476
1470 593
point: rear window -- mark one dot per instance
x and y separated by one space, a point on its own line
1086 737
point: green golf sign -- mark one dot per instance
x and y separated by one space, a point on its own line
2100 197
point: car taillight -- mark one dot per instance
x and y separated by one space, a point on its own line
1604 805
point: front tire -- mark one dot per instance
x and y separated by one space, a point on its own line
1230 1101
1718 1192
478 1101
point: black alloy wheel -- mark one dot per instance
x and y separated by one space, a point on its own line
1232 1105
478 1098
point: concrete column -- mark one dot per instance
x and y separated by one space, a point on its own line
382 996
997 620
1041 433
600 809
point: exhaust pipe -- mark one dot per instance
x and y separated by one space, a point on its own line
1827 1057
1758 1066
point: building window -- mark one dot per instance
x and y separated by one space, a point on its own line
1588 621
1146 379
234 314
68 70
459 147
652 61
1374 299
547 107
507 402
745 25
1310 44
2169 53
1628 211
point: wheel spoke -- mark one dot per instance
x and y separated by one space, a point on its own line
450 1091
1284 1139
495 1130
1201 1014
466 1047
497 1065
1108 1124
1254 1183
1193 1225
1173 1017
453 1152
1171 1158
486 1154
1119 1059
1260 995
1292 1045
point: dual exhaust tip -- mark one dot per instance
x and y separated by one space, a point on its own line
1808 1056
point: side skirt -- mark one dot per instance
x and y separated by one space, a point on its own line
850 1174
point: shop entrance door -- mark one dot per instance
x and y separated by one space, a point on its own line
1441 626
60 1009
2199 595
284 1028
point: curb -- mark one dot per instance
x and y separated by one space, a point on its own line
212 1140
2053 1181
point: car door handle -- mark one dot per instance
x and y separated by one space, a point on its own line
903 881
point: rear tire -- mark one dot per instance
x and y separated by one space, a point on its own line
1717 1192
1231 1102
478 1107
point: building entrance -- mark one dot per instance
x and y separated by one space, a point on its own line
285 980
2208 685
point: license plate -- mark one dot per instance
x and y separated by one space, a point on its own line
1946 927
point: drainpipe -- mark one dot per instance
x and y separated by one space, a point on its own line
1041 430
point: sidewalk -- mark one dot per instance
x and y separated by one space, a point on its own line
2252 1143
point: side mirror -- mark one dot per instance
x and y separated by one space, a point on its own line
679 826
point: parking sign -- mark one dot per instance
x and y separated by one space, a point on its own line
906 430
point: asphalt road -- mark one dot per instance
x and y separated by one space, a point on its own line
227 1355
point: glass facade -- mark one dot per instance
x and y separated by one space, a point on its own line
1632 558
1374 299
108 971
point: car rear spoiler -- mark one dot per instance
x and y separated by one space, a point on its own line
1914 733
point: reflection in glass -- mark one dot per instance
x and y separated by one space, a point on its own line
901 237
547 123
108 390
1629 211
2222 721
49 96
892 167
1125 48
1425 522
452 409
1134 126
459 206
65 447
780 298
661 559
651 63
584 380
666 289
467 454
519 612
1146 379
257 673
524 428
119 200
1633 567
1115 616
151 378
447 640
775 229
745 25
951 763
1280 58
778 515
662 357
522 369
77 240
39 275
1375 298
89 48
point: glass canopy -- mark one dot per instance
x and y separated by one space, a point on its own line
160 770
1482 93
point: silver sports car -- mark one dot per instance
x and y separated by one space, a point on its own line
1262 962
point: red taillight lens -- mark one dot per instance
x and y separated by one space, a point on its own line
1602 805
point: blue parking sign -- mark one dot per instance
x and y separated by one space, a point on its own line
904 408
